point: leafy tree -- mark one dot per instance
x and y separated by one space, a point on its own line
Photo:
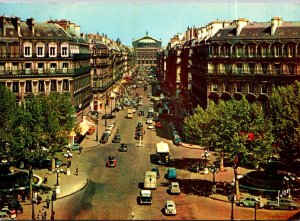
7 112
226 127
285 116
118 41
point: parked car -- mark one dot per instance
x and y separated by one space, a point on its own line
117 138
176 140
174 188
156 170
75 146
283 203
91 130
249 201
151 126
104 138
123 147
171 173
170 207
111 162
108 116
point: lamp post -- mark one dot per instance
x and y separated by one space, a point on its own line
31 193
57 180
232 201
52 201
97 118
213 170
205 155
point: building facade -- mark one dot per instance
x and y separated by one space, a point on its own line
146 51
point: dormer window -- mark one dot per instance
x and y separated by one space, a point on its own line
239 50
277 50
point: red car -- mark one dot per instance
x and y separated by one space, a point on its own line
158 124
111 162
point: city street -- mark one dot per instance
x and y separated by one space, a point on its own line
112 192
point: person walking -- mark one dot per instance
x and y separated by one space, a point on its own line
39 215
45 178
48 202
132 215
77 171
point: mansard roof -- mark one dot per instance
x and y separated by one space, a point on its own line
259 31
146 41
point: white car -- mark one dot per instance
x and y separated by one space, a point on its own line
151 110
149 121
174 188
151 126
170 207
133 110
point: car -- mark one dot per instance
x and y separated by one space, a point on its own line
111 162
140 103
91 130
156 118
123 147
117 138
282 203
74 146
108 116
151 110
104 138
133 110
158 124
110 127
151 126
108 131
176 140
171 173
250 201
11 213
156 170
149 95
174 188
170 207
149 121
68 154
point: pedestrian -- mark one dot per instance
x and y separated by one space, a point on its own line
77 171
44 213
39 215
39 199
80 149
225 187
214 189
132 215
48 202
45 178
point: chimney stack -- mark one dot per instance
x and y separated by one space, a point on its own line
30 23
2 24
240 23
16 23
275 23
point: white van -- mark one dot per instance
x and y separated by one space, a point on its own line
150 180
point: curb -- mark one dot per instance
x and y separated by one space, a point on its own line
191 147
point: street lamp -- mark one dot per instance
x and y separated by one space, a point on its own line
52 201
214 169
97 118
57 172
31 193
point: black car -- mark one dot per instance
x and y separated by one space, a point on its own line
104 138
123 147
117 138
108 116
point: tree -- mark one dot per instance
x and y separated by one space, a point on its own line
285 116
226 127
118 41
7 113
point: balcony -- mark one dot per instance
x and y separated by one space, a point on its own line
254 72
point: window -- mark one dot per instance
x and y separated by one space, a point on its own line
277 68
227 68
15 87
2 50
250 50
264 51
41 86
64 51
28 87
40 68
239 50
291 68
53 85
214 87
52 51
251 68
65 85
27 52
251 87
264 89
291 51
238 87
27 68
227 87
40 51
264 67
239 68
14 51
277 50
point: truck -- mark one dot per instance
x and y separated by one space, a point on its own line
130 113
163 152
150 180
145 197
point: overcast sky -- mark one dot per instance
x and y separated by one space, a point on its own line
130 20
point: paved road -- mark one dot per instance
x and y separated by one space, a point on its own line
112 192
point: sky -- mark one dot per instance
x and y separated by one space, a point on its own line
130 20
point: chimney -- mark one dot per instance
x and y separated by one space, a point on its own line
16 23
216 26
240 23
30 23
2 24
275 23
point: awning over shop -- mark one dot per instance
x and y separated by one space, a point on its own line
85 126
